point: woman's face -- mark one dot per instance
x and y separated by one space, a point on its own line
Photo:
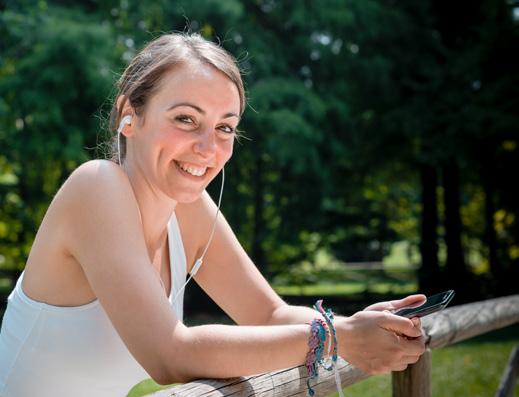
186 133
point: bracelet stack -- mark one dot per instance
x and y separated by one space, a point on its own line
315 356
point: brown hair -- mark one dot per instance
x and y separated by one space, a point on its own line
143 76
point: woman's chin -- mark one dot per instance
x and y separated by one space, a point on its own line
186 197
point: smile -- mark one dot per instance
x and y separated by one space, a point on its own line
195 171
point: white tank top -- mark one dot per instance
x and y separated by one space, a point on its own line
75 351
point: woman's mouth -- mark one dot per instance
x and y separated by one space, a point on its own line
192 170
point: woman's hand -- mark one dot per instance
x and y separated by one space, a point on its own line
378 342
408 301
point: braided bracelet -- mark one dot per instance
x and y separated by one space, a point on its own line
318 331
328 316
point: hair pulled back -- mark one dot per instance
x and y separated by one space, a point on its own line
143 76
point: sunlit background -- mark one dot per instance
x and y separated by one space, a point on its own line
379 154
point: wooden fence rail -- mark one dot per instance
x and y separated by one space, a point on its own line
442 329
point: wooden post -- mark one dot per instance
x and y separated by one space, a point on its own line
507 385
415 381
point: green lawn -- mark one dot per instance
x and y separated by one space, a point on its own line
348 288
468 369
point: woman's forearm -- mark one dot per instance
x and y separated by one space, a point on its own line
288 314
223 351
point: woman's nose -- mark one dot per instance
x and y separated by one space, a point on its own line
205 144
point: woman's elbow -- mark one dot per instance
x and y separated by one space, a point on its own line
169 376
174 365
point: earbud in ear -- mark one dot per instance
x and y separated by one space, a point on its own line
125 120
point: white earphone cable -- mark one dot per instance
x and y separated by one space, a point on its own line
127 120
200 260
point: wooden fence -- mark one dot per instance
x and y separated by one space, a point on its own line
442 329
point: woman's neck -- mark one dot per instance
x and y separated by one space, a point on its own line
155 210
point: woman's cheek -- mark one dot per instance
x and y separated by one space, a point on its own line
230 148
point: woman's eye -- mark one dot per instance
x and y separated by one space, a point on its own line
226 128
184 119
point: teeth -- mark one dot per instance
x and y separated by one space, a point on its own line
193 170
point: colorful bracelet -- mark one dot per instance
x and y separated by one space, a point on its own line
328 316
318 331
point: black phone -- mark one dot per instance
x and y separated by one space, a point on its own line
431 305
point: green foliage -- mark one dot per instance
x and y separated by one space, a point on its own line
347 100
54 75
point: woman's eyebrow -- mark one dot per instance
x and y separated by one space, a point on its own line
200 110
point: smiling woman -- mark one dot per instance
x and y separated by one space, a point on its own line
99 305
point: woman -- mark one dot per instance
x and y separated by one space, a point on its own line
99 305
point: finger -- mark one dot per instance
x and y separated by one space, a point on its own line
409 301
416 322
410 359
399 367
413 347
400 325
380 306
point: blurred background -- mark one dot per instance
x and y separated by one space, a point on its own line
380 145
379 154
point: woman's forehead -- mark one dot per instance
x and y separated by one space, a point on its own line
198 83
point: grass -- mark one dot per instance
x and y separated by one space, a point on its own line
348 288
145 387
471 368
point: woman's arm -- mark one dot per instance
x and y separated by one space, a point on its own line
375 342
288 314
97 208
231 279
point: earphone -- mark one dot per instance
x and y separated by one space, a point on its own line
127 120
200 260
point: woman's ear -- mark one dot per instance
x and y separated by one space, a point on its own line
125 112
126 120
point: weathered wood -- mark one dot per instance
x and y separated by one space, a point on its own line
441 329
509 379
415 381
288 382
466 321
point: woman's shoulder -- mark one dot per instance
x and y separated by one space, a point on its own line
97 170
95 175
95 183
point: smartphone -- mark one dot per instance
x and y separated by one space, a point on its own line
431 305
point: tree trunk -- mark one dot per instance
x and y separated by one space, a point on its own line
258 255
429 271
489 237
456 271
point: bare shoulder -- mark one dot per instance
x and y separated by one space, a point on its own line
96 197
90 204
95 185
97 175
